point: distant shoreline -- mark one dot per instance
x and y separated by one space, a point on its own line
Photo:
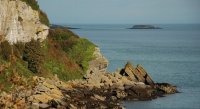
53 26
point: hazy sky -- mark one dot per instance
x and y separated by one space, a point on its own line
122 11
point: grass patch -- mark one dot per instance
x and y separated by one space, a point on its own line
82 52
43 18
61 70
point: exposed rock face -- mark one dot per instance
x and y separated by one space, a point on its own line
20 23
99 64
137 74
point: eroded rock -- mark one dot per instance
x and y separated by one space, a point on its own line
20 23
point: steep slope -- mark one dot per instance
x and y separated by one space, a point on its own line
28 47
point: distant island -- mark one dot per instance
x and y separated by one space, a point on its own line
144 27
53 26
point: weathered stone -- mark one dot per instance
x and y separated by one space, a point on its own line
50 86
72 107
99 64
20 23
44 98
98 97
143 76
167 88
35 106
43 106
121 94
53 103
137 74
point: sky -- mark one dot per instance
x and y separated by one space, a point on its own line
122 11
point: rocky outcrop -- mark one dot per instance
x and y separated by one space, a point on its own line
137 74
99 64
99 90
20 23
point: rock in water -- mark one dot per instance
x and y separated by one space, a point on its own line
137 74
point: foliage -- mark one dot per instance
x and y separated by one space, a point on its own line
33 3
43 18
63 54
61 34
78 49
82 53
61 70
34 56
7 78
5 50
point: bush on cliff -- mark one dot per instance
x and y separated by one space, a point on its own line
78 49
43 18
34 56
82 52
33 3
63 53
5 50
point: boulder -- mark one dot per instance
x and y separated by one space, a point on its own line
166 88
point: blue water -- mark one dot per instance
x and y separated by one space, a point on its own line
171 54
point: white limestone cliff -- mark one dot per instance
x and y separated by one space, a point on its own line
20 23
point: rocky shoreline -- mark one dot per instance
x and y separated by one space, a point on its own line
99 89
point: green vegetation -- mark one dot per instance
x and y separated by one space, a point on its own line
61 70
63 53
78 49
33 3
82 53
43 18
5 50
34 56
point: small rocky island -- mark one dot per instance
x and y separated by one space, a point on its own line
144 27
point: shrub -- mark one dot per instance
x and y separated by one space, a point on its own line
18 49
33 55
82 53
43 18
5 50
33 3
61 70
59 34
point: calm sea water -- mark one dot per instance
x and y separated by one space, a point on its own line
171 54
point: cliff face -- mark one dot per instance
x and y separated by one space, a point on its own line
99 64
20 23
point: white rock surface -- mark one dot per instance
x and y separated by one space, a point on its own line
20 23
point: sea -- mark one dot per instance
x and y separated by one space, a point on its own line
170 54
